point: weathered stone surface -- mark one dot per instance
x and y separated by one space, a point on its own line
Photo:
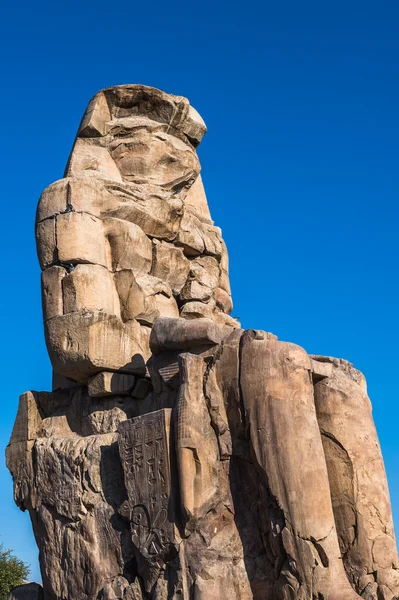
84 343
196 445
320 370
180 457
197 237
158 300
28 591
357 478
52 296
170 265
46 243
79 239
203 279
179 334
291 457
144 444
197 310
130 247
90 287
197 203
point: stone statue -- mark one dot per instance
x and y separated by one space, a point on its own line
179 456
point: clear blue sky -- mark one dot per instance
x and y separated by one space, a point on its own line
300 165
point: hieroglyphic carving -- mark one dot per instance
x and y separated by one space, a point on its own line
144 450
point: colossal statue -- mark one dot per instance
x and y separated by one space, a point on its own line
179 456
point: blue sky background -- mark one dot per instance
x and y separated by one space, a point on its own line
300 166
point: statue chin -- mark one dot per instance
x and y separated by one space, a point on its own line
179 456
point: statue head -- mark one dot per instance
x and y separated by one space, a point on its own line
127 235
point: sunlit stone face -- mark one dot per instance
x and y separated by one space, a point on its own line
145 152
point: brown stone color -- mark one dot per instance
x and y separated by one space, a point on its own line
179 457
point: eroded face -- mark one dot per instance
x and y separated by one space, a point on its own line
127 237
146 153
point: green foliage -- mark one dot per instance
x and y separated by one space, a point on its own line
13 572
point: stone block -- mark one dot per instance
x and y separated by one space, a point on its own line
131 296
130 247
95 118
80 239
170 265
52 300
82 344
144 446
46 243
180 334
110 384
203 279
90 287
91 160
53 200
28 420
196 445
223 300
196 201
197 237
197 310
159 300
320 370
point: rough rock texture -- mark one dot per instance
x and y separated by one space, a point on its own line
178 456
29 591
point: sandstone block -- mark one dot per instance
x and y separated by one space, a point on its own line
292 445
80 483
82 344
53 200
197 310
130 247
109 384
28 420
174 111
131 295
170 265
197 237
158 300
19 463
90 287
203 279
94 188
356 474
196 445
52 299
320 370
150 154
196 201
90 159
46 243
223 300
224 282
80 239
144 444
95 118
180 334
158 214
